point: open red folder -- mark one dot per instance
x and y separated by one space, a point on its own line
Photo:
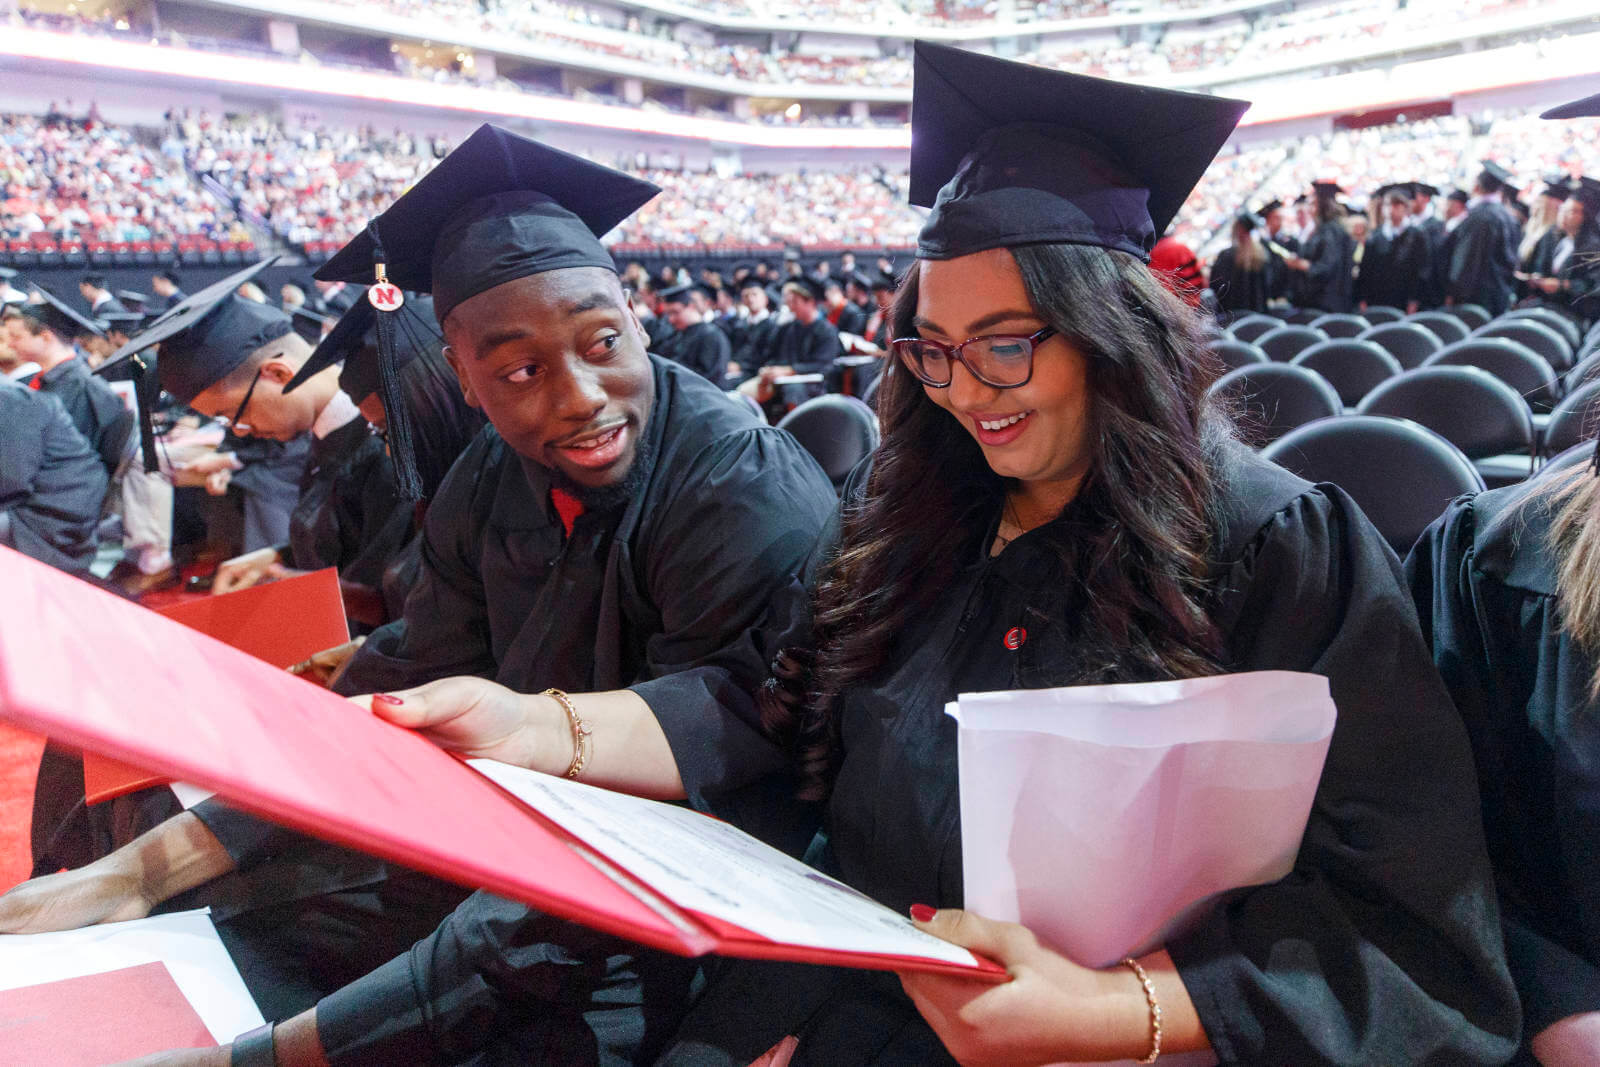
88 669
98 1018
281 622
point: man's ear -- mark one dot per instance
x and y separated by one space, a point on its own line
459 366
278 372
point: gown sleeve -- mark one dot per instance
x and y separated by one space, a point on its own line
1383 944
754 495
1537 764
51 484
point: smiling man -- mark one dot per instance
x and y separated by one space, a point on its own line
622 532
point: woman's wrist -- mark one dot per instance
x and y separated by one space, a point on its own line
548 735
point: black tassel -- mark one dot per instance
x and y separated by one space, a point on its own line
397 414
145 393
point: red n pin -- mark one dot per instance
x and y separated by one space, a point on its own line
385 296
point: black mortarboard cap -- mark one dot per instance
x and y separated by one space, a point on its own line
134 300
1269 207
1458 195
126 322
204 338
66 323
678 294
1556 186
1587 107
1495 171
1009 154
1251 220
885 280
498 208
812 286
751 282
1326 187
310 324
1423 189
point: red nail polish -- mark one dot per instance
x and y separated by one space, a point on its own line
387 699
922 913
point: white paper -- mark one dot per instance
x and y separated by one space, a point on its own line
190 795
710 867
185 941
1103 817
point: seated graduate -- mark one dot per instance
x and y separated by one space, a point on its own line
52 484
1505 582
622 531
806 344
1568 271
696 342
355 510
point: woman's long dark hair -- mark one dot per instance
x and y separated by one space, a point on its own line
1136 537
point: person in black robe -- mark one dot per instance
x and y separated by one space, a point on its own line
166 285
51 482
1489 585
1482 264
1281 246
1394 273
1326 261
42 332
666 581
695 343
807 344
752 339
1241 273
1567 267
1428 223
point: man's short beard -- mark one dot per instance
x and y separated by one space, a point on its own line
614 497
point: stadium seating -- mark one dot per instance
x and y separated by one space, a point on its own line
1517 365
1575 419
1470 408
1286 342
1235 353
1338 326
1270 399
1354 368
838 431
1407 342
1535 335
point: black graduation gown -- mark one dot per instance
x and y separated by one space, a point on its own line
1237 289
1282 283
52 484
97 411
684 597
269 485
1580 271
1380 947
1437 262
702 348
1481 260
1329 283
852 318
1484 579
349 514
752 345
1394 270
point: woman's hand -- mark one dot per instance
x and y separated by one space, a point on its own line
105 891
1053 1009
1570 1042
479 718
252 568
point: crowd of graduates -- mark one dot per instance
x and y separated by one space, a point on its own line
571 534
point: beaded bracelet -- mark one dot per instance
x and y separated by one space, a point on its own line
1155 1008
581 732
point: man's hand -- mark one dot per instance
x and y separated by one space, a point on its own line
252 568
325 667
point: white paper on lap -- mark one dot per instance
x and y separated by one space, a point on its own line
185 941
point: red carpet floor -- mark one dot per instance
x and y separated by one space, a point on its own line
19 763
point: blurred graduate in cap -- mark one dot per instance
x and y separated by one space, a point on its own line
757 325
1241 277
1326 261
1074 512
1506 584
52 484
695 342
622 551
1483 245
45 331
1567 264
806 344
1541 233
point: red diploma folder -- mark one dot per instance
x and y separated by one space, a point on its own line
281 622
160 695
98 1018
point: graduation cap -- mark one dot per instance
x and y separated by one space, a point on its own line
1326 189
1250 220
498 208
885 280
678 294
1269 207
353 341
1587 192
42 307
1577 109
310 324
812 286
135 301
1007 154
1556 186
1498 174
202 340
1458 195
751 282
1423 189
859 280
126 323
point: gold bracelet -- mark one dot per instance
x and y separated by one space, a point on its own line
581 732
1155 1008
